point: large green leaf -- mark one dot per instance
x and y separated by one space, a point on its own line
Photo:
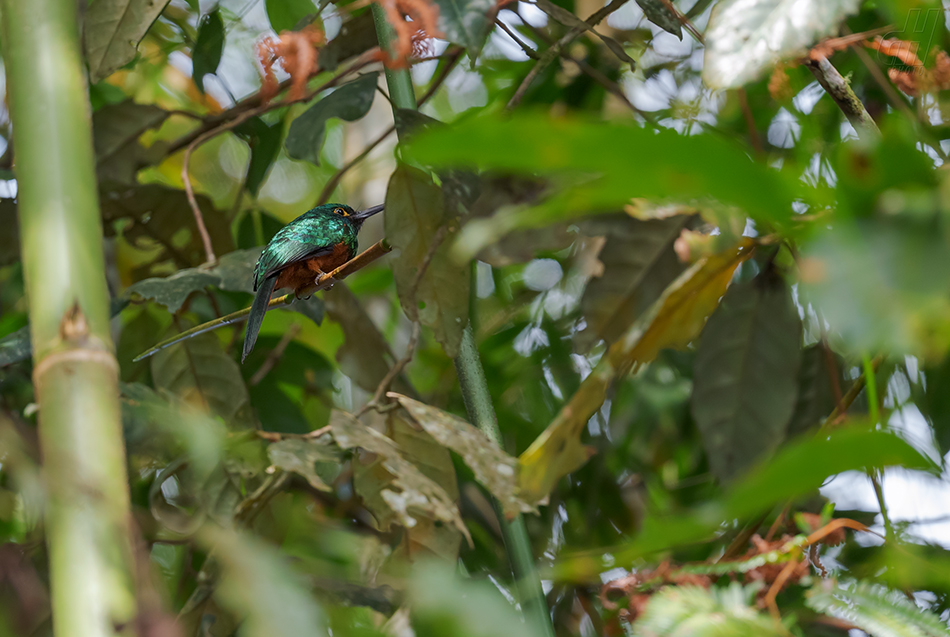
201 374
208 48
415 219
746 376
816 396
112 30
639 262
465 22
599 167
350 102
745 38
875 609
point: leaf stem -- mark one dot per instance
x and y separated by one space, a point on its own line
474 386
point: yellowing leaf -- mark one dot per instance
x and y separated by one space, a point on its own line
673 321
493 468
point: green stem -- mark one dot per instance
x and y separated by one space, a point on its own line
87 515
474 386
478 404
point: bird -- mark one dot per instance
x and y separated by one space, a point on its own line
315 243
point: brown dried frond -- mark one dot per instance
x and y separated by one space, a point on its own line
780 86
296 52
903 50
409 35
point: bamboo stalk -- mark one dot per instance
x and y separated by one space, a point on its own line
478 401
75 374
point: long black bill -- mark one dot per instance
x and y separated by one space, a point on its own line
369 212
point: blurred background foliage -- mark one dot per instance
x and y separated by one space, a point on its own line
704 248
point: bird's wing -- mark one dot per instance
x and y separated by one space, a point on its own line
281 253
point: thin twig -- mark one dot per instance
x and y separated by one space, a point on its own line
840 91
548 56
837 414
274 356
609 85
875 478
754 138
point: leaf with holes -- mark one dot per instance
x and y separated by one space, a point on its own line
112 30
746 374
410 491
209 45
493 468
350 102
316 460
745 38
416 223
201 374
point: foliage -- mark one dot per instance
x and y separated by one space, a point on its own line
703 301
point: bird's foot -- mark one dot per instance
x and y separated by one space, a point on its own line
324 282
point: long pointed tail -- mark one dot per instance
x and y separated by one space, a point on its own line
256 317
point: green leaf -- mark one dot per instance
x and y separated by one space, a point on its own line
415 221
15 347
286 15
209 45
816 397
116 132
599 167
409 492
465 22
875 609
152 216
744 39
264 141
746 376
493 468
172 291
350 102
659 14
364 355
202 375
716 612
258 586
316 460
638 263
112 30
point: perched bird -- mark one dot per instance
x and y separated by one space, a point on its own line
313 244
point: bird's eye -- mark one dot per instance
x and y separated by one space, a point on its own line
342 211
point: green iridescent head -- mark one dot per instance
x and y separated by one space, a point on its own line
342 210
